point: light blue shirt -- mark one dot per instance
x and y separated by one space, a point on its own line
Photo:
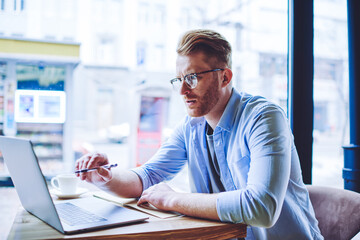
259 168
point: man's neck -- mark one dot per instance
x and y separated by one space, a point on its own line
214 116
212 122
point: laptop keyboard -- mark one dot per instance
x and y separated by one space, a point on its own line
74 215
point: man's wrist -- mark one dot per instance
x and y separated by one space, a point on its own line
173 201
105 184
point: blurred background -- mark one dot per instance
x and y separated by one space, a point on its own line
84 75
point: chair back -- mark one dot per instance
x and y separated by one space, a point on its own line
337 210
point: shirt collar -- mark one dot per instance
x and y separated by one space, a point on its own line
227 118
196 120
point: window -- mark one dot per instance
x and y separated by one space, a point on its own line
40 77
123 58
238 39
331 119
271 64
144 13
39 109
141 50
3 69
257 31
159 14
19 5
329 69
50 8
105 50
158 57
68 8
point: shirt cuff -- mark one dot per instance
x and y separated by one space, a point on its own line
227 207
143 177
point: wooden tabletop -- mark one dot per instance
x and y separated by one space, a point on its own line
16 223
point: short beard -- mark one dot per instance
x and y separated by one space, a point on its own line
209 100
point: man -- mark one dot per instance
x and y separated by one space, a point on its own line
243 165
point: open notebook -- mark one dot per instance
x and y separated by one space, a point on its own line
132 202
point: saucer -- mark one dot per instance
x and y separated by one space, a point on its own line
59 194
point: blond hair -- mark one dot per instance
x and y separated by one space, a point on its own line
209 42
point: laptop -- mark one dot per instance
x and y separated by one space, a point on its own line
68 216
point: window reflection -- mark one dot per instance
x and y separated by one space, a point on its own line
3 69
40 111
330 91
38 77
130 44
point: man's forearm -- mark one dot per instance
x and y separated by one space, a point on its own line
196 205
192 204
124 183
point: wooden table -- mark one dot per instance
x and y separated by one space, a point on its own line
16 223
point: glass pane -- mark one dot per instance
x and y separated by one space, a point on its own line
3 69
128 51
257 31
37 77
40 112
331 117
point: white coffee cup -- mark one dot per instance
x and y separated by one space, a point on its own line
65 183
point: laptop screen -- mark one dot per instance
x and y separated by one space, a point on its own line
28 179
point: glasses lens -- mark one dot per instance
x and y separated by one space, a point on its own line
176 83
191 80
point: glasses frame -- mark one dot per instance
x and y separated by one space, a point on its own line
192 75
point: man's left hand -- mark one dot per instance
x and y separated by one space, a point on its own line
160 196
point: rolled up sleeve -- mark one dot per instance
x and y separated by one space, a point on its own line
166 163
260 202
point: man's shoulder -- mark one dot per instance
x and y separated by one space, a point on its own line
252 105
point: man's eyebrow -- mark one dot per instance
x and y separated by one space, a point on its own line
189 74
177 75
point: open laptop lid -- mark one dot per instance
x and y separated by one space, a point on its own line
34 194
28 179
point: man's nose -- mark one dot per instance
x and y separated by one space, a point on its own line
184 89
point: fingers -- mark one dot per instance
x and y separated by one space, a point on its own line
142 200
91 160
148 195
144 196
105 174
96 160
158 195
77 168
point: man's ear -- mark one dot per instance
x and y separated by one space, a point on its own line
227 77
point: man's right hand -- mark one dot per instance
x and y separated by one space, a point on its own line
94 160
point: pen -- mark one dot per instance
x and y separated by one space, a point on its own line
94 169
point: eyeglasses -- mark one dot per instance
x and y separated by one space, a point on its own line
190 79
